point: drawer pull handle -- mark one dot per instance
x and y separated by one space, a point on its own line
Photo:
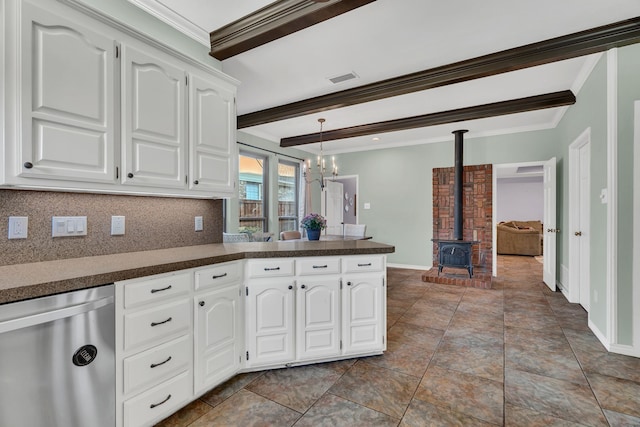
160 323
320 266
153 291
155 365
153 405
271 268
365 265
219 276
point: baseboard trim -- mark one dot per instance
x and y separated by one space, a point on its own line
601 337
409 266
627 350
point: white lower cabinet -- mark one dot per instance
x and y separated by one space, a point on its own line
180 334
318 317
217 336
270 321
320 310
364 313
154 348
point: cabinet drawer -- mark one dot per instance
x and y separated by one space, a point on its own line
362 264
144 328
270 267
157 288
157 364
310 266
158 402
222 274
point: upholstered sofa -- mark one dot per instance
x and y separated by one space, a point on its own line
520 238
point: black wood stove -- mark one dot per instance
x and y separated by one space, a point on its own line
456 252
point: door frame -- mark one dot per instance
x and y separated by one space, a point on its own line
574 291
342 179
494 204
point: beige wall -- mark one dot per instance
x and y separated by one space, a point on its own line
151 223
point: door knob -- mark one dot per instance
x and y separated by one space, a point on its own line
578 233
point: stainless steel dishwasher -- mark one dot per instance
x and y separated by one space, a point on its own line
57 365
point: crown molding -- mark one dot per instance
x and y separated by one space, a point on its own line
177 21
573 45
274 21
520 105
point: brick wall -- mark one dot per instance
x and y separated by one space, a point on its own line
477 212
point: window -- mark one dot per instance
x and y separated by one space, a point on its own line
252 195
288 177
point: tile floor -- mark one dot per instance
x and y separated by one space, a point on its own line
515 355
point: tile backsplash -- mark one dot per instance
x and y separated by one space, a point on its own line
150 223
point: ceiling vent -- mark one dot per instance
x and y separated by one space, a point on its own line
343 78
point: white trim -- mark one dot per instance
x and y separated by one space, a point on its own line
585 72
574 213
177 21
636 228
601 337
134 32
494 221
627 350
612 193
409 266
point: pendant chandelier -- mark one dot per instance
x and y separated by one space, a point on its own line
321 165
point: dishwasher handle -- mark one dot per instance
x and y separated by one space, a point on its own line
50 316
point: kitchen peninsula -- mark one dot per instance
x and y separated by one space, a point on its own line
23 281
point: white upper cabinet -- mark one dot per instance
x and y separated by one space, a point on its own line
91 105
66 129
212 130
153 121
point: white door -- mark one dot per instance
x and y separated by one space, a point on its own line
270 325
332 206
154 114
68 100
217 336
363 313
318 305
549 229
212 144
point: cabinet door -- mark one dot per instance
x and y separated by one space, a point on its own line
363 313
212 123
270 321
153 121
218 336
318 318
67 95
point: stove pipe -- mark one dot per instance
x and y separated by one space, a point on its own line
457 185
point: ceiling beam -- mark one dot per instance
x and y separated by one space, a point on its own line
595 40
276 20
521 105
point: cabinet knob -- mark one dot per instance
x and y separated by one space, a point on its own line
290 287
201 303
304 286
348 283
28 165
129 175
195 182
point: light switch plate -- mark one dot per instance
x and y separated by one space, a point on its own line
198 223
68 226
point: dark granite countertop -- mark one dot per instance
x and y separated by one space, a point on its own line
24 281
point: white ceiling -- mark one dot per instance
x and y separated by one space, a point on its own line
389 38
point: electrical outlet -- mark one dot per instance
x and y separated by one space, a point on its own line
117 225
18 227
198 223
